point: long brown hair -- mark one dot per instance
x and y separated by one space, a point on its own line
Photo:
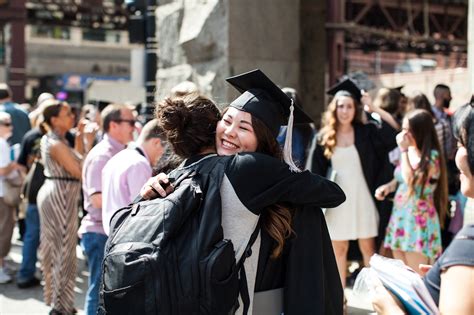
276 219
327 135
421 127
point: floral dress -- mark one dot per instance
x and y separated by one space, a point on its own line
414 224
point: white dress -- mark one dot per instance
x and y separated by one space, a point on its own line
357 217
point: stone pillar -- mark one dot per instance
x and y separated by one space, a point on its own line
335 37
270 39
207 41
313 63
193 43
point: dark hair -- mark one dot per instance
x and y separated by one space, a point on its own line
463 127
277 218
422 129
390 101
420 101
189 123
111 112
50 110
440 88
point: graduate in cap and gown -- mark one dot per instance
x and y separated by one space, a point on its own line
251 124
304 277
357 152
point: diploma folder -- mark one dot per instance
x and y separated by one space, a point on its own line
405 284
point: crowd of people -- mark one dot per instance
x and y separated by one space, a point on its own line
385 171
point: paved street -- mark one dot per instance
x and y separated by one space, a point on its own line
30 301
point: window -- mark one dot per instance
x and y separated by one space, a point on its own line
51 31
101 35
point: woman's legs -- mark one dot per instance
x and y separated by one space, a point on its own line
398 254
340 251
414 259
411 259
367 247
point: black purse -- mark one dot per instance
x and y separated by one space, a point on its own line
33 181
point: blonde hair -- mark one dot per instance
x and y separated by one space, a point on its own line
327 135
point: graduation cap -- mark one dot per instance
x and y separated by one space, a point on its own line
265 100
399 88
346 87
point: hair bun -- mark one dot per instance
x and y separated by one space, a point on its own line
173 115
189 123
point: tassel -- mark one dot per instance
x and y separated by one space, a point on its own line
287 148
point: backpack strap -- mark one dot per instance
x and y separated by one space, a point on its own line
244 292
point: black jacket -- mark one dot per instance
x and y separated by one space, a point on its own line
306 269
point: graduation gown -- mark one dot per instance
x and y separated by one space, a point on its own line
306 269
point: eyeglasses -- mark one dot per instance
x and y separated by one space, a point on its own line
6 124
131 122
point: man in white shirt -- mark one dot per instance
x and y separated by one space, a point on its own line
127 171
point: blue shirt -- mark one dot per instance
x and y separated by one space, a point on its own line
20 121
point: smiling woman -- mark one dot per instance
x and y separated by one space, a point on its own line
345 137
235 133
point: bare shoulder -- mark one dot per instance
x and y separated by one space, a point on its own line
59 148
457 285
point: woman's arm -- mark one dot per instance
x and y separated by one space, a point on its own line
384 190
403 140
457 287
64 156
12 166
156 186
367 101
260 180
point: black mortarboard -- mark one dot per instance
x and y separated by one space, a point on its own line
265 100
346 87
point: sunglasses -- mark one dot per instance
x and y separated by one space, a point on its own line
131 122
6 124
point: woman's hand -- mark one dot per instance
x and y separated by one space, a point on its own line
366 101
404 140
85 135
382 192
385 303
424 269
369 106
154 187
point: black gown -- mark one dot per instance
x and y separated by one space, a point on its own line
306 269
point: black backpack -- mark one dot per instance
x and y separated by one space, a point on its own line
168 256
